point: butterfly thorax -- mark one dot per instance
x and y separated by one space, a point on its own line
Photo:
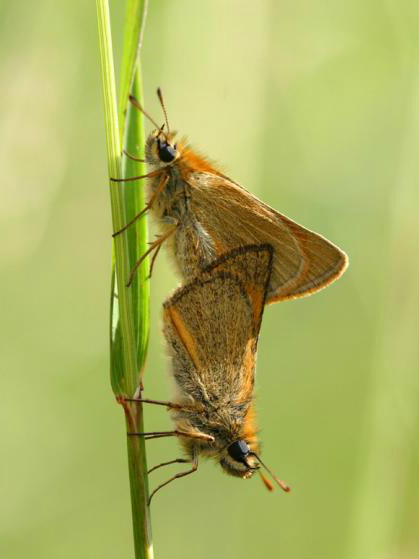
192 244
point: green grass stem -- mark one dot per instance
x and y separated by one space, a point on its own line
129 306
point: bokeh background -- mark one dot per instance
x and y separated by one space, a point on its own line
314 106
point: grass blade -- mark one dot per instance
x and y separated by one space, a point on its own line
129 306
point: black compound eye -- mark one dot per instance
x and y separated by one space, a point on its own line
167 153
239 451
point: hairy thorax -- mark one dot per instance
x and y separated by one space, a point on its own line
191 244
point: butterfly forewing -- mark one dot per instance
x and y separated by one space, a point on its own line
304 261
213 323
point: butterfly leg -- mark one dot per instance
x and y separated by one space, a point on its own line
177 476
170 405
161 186
153 246
132 157
176 461
139 177
166 404
153 260
175 433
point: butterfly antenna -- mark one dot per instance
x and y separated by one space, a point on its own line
281 483
163 106
137 105
266 481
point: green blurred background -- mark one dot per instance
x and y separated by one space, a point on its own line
314 107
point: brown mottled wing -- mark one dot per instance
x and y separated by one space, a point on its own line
304 262
212 325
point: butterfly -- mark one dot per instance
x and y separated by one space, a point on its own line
211 326
202 214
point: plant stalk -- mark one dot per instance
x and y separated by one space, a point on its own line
129 306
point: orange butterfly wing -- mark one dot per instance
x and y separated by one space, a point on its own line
304 262
212 326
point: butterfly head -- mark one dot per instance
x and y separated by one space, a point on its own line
238 460
161 149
